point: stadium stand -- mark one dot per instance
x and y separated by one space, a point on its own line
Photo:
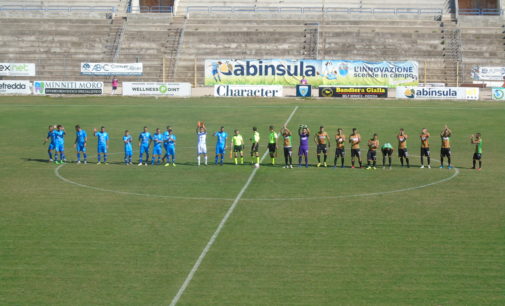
173 48
283 36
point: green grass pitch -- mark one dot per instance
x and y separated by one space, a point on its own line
112 234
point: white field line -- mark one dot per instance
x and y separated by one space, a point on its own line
61 177
214 236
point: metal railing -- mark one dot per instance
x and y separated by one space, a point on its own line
150 9
107 9
480 12
312 10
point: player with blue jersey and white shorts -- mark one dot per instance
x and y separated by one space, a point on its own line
201 132
102 144
145 139
157 147
81 140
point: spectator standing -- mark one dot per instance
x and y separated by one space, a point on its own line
115 83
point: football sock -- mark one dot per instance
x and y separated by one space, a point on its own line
448 161
342 160
78 156
198 159
352 163
480 164
85 156
429 161
50 154
215 160
62 156
374 163
105 158
205 159
390 160
401 160
408 163
318 158
325 157
236 162
140 158
222 159
241 159
360 163
474 162
273 160
99 157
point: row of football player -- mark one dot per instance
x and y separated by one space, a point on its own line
167 140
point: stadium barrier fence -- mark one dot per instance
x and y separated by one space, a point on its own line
316 10
150 9
107 9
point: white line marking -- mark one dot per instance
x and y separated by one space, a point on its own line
61 177
456 173
220 227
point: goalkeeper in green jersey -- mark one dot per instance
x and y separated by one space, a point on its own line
387 150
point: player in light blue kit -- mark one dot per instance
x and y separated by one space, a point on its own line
170 147
81 140
51 138
128 150
102 144
59 144
165 142
157 147
145 139
222 136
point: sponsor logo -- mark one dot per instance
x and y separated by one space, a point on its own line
304 90
247 91
456 93
318 72
17 69
15 87
39 87
498 93
6 86
327 92
353 92
343 69
153 88
68 87
111 69
428 92
410 93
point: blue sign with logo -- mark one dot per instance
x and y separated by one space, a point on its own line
303 91
498 93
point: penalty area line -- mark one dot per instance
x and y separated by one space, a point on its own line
214 236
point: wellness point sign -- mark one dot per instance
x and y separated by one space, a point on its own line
317 72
